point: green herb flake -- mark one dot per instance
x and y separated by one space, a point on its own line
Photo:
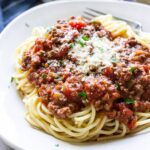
12 79
57 77
49 63
71 69
61 62
71 45
83 95
44 76
62 88
81 43
128 101
94 21
117 86
114 60
132 69
56 145
101 49
85 38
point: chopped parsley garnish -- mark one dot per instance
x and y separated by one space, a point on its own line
83 95
71 45
57 77
49 63
114 60
56 145
85 38
62 88
132 69
61 62
44 76
117 86
27 25
101 49
81 43
128 101
94 21
12 79
71 69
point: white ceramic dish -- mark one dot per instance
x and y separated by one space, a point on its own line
14 130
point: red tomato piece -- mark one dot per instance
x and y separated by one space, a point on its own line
78 24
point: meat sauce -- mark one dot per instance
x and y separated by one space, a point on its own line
117 88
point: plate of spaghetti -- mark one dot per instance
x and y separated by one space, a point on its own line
71 82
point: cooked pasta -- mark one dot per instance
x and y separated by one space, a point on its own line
83 80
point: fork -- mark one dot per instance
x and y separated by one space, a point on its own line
90 13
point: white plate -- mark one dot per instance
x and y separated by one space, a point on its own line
13 127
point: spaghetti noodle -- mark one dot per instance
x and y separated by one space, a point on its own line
86 113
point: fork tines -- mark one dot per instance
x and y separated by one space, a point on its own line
90 13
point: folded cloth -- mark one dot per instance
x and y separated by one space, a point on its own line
9 9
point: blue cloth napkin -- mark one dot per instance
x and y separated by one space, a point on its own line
9 9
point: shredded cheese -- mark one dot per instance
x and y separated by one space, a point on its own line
96 53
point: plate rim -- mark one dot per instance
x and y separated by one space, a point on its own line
66 1
4 138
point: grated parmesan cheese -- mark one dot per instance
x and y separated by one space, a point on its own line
96 53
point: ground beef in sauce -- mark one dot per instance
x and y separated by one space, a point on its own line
118 89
